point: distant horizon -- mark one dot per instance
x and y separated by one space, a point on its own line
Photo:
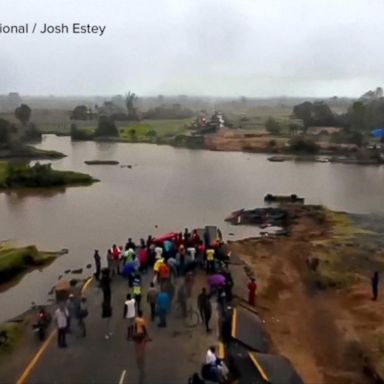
229 48
202 96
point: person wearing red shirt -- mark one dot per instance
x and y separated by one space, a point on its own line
115 251
252 286
143 259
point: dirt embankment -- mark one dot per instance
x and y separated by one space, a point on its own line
322 319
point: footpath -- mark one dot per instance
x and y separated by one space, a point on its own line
175 353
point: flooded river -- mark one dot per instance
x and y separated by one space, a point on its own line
166 187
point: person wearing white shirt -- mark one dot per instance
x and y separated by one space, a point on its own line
158 253
191 252
130 314
212 361
61 318
211 358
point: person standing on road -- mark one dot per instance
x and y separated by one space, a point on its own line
163 306
143 259
97 258
163 274
252 286
205 308
115 259
106 313
82 314
140 337
130 244
375 285
151 299
189 281
72 311
130 314
137 289
61 318
105 285
210 260
201 255
228 284
110 262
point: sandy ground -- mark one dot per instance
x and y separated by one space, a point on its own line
329 335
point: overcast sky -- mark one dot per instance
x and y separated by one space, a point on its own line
196 47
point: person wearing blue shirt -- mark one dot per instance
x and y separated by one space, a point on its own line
163 306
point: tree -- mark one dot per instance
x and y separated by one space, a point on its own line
8 133
377 114
23 114
32 133
80 113
322 114
106 127
358 117
5 133
314 114
272 126
130 101
303 112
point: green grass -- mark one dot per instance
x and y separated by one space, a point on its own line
14 333
343 258
161 127
14 261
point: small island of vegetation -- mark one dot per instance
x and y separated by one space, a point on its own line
39 175
101 162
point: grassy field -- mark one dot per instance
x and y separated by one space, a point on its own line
161 127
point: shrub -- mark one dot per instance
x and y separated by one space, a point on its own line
300 144
106 127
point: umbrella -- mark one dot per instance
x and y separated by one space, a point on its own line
167 236
378 133
129 268
216 280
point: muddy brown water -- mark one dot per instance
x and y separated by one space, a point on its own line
168 187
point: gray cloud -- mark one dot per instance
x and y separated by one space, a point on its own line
207 47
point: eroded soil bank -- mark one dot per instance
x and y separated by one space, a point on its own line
322 318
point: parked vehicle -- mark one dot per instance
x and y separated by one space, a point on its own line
43 319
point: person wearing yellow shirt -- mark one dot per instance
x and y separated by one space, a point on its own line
210 260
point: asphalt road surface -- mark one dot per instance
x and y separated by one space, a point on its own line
171 357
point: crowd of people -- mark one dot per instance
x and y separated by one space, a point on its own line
169 258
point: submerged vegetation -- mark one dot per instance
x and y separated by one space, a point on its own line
39 175
14 261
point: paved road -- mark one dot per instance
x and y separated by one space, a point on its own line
171 357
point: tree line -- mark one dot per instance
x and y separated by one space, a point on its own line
25 131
